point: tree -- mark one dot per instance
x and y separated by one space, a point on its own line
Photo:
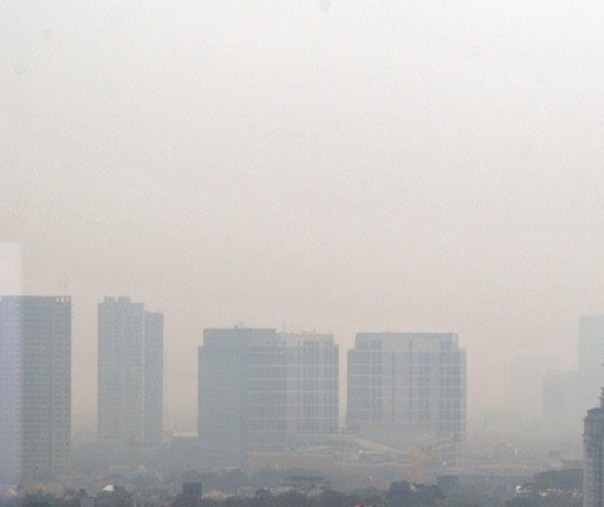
119 497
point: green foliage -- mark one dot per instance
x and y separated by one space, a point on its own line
400 494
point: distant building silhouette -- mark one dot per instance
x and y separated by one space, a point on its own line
562 404
593 461
260 391
568 394
35 388
130 377
408 390
525 395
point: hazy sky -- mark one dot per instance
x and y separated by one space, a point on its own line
339 165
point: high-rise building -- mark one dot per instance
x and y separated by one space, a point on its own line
312 384
154 378
35 388
224 389
591 357
593 457
130 376
409 389
11 391
261 391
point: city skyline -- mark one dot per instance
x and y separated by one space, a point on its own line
351 237
179 404
191 418
282 386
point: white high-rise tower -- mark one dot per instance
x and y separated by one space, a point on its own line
130 377
35 388
404 387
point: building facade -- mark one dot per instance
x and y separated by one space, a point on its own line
591 358
154 379
35 388
225 394
130 377
409 390
312 384
593 457
262 392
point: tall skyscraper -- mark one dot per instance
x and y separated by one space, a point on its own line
11 391
409 388
35 388
591 357
593 457
224 391
154 378
260 391
130 376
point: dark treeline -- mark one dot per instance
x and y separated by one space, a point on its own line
400 494
70 498
547 489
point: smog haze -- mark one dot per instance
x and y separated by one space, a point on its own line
338 166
